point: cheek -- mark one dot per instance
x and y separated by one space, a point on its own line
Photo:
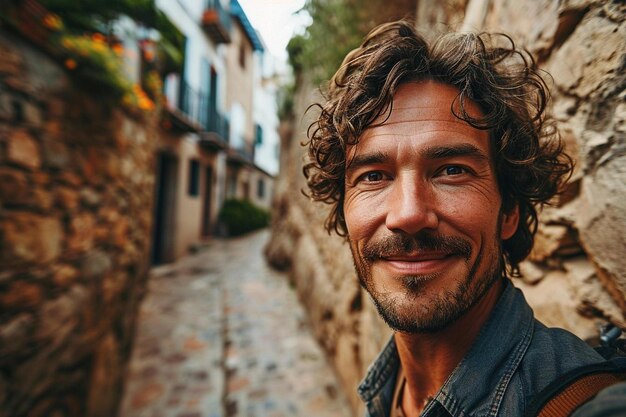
475 217
361 219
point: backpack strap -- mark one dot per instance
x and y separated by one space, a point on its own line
576 394
568 392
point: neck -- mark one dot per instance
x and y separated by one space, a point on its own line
428 359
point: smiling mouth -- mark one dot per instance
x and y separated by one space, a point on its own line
419 263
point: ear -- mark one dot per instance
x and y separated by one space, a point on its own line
509 224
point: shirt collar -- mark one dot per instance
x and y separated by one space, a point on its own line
492 360
477 384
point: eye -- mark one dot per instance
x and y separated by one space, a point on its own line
454 170
372 176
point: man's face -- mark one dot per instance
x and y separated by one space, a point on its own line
423 211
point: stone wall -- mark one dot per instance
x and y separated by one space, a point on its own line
576 276
76 190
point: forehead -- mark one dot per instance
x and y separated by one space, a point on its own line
421 108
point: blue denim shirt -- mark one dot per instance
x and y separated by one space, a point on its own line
511 360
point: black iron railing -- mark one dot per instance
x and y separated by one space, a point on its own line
246 150
197 106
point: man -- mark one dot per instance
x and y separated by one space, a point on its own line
434 158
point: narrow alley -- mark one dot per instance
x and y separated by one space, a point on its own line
222 334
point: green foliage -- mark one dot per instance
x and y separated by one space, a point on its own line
94 15
171 45
241 216
97 15
337 27
295 48
335 30
285 100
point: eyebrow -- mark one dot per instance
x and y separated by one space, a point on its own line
431 152
367 159
463 149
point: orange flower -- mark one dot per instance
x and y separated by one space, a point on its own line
118 49
70 64
99 46
52 21
98 37
148 56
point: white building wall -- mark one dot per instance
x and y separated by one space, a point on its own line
265 113
187 16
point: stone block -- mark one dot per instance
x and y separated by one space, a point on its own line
554 240
19 84
531 272
66 198
10 60
16 334
64 275
31 114
98 165
29 238
588 61
347 361
120 232
109 214
13 187
59 318
601 219
69 178
90 197
55 154
53 129
42 199
95 264
113 165
23 150
112 286
564 108
147 394
561 311
101 234
41 178
56 107
6 106
81 232
21 294
594 299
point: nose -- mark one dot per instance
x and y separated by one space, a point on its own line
411 207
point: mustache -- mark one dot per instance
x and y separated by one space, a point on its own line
403 244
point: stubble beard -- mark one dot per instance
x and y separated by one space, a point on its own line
415 311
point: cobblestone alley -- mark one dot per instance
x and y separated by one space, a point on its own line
222 334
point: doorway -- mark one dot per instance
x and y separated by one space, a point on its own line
164 209
206 208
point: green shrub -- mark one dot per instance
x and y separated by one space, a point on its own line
241 216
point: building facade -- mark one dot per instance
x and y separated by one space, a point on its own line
206 152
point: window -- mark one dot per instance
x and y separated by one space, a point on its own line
194 178
242 55
259 135
260 189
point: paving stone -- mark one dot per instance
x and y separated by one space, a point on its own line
220 334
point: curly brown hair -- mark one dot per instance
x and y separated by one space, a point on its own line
487 69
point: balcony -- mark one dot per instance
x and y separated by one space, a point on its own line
242 155
178 114
215 136
216 21
190 110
